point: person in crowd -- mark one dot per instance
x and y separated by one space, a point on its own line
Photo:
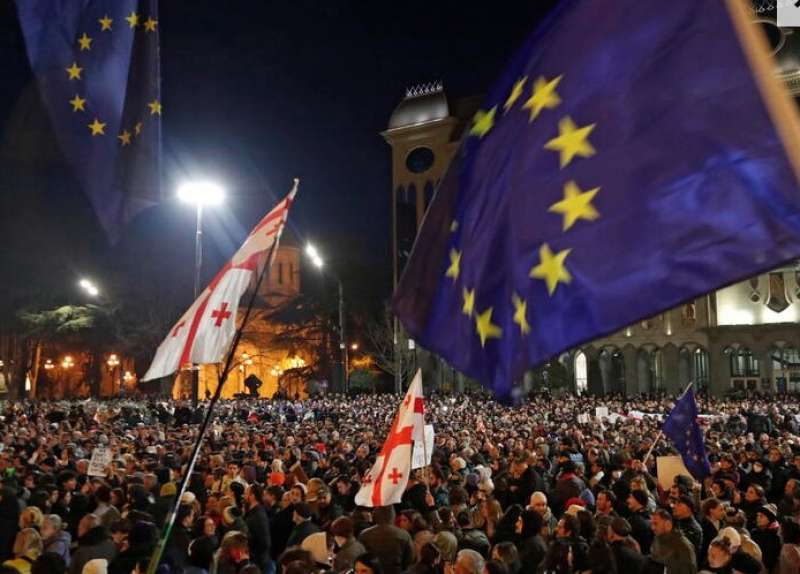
55 539
789 559
392 546
670 547
94 542
468 562
367 564
767 535
257 527
639 519
531 547
685 522
27 548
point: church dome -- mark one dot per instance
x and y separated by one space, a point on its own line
422 104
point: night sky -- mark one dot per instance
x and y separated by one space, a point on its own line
253 96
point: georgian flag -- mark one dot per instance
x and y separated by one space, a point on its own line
385 483
204 332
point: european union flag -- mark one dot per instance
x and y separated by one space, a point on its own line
97 67
633 156
682 429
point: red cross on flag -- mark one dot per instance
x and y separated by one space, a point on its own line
204 333
385 483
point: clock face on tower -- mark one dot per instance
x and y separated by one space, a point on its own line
419 160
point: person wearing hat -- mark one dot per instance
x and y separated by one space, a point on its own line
767 535
624 547
345 546
686 523
640 520
303 526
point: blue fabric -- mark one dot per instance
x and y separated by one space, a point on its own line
682 429
695 189
119 77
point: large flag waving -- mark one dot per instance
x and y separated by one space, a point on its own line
385 483
682 429
204 332
97 68
633 156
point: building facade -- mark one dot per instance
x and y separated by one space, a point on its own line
742 337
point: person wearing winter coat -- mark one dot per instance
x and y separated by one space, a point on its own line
55 538
767 535
670 547
94 541
9 518
532 548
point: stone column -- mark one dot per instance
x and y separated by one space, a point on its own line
669 361
719 370
630 354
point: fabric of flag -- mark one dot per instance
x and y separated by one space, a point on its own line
386 481
203 333
97 68
682 429
628 160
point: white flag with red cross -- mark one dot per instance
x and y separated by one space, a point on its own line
385 483
204 332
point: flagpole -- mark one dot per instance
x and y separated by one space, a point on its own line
170 521
661 432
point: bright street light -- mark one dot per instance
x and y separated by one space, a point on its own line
201 193
314 255
89 287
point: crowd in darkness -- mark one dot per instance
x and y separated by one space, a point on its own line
541 487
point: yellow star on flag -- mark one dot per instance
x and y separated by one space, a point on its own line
133 19
105 23
544 95
576 204
150 24
486 329
155 108
469 301
85 42
78 103
551 268
482 122
74 71
137 129
454 226
97 127
516 92
520 313
455 265
571 141
124 138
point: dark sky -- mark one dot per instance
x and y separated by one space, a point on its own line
255 93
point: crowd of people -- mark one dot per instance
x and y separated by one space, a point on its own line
546 486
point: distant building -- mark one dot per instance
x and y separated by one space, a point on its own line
741 337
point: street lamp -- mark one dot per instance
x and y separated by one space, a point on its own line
90 288
318 262
67 362
113 363
199 194
48 365
354 347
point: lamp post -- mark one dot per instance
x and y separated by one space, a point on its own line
199 194
318 262
89 287
113 364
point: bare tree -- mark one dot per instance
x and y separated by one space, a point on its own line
380 333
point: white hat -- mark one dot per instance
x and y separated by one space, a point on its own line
188 497
731 535
96 566
317 545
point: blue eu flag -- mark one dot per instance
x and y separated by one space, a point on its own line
682 429
97 68
633 156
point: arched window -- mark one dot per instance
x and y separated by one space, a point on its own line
581 373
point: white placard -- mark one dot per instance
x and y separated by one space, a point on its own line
419 452
583 419
668 468
601 412
101 458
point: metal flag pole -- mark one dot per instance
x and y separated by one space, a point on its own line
170 521
661 432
